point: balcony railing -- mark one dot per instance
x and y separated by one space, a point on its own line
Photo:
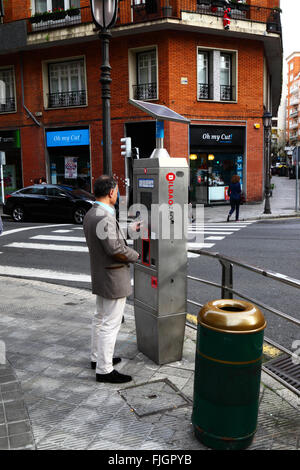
226 92
67 99
9 105
204 92
145 91
151 10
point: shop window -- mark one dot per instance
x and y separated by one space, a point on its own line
216 75
7 90
66 84
143 74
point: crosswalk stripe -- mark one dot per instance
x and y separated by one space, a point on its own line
43 274
196 246
42 246
58 238
215 238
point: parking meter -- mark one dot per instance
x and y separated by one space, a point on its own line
160 188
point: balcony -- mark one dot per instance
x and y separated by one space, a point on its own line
294 113
294 125
294 101
145 91
67 99
9 106
152 10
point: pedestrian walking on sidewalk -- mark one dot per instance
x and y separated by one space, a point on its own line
234 192
110 272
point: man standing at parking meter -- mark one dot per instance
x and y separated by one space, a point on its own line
111 283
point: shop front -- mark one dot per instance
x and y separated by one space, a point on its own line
69 157
12 170
216 154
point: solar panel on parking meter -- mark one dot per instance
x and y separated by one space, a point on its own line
159 111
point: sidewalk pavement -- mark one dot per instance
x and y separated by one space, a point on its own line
49 398
282 204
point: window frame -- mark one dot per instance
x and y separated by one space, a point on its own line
213 70
133 68
13 86
67 5
47 81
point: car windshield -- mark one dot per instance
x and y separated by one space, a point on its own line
77 192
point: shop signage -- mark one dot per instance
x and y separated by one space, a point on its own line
70 167
9 140
68 138
217 136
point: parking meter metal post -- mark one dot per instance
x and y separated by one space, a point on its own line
160 192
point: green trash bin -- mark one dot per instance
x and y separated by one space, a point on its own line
227 373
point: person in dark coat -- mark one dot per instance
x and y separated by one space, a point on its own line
234 192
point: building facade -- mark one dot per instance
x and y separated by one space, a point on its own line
177 53
293 100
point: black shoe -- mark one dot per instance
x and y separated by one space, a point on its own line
123 319
228 218
116 361
114 378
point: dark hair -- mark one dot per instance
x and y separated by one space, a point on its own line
235 179
103 185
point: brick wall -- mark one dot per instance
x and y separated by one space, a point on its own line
177 57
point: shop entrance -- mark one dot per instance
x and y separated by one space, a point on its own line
217 153
69 158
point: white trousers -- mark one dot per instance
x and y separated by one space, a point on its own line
106 323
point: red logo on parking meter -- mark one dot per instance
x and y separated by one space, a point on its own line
170 177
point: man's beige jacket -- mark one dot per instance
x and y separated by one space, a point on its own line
109 254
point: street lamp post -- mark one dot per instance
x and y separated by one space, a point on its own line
267 120
104 14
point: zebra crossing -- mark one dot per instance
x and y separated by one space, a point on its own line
199 236
71 239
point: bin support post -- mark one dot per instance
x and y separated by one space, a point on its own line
227 279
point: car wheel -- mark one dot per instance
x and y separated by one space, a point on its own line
79 214
18 214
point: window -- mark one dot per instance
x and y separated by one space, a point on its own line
67 84
146 88
7 90
203 85
36 190
225 78
50 5
216 75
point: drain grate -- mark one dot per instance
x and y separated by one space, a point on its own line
286 370
154 397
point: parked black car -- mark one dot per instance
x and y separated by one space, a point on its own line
48 200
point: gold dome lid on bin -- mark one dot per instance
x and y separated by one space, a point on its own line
232 316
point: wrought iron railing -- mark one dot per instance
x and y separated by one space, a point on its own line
145 91
226 92
67 99
8 106
204 91
292 380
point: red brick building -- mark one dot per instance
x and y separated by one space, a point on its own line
293 100
175 53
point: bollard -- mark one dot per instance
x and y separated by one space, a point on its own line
227 373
